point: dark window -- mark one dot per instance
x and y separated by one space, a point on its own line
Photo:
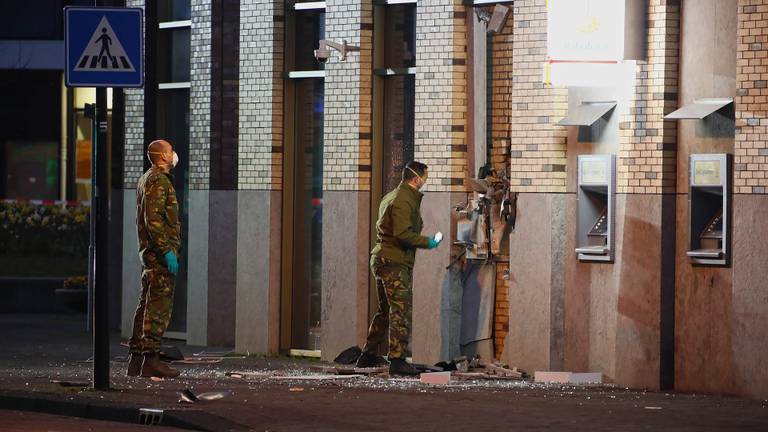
173 10
310 28
35 20
399 92
173 126
173 55
400 33
307 124
308 220
399 109
31 134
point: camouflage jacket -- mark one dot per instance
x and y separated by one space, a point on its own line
157 217
398 229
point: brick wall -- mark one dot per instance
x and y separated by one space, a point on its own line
441 93
260 140
751 145
648 144
501 315
537 151
200 95
500 95
348 98
134 128
501 105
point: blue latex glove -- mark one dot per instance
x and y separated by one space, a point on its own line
433 243
172 262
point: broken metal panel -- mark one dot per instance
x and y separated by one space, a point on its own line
478 303
587 113
699 109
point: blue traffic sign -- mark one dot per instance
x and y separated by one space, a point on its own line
104 47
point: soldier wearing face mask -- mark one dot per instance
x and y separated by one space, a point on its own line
159 233
398 235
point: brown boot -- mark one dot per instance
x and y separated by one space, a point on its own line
153 367
134 364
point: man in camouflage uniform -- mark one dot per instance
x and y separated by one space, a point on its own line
159 232
398 235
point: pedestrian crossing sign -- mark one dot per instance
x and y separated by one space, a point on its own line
104 47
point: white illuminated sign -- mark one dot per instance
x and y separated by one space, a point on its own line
585 30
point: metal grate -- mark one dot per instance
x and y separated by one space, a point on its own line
150 416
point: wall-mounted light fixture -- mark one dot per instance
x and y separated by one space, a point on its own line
322 53
494 21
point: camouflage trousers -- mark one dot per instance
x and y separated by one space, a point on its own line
394 287
153 312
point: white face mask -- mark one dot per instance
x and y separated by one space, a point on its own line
174 161
423 182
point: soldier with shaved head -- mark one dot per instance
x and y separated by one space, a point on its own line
159 232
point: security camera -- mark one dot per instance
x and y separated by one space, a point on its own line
322 54
494 21
498 19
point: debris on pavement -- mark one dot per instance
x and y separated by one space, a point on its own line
296 389
199 361
187 396
214 354
568 377
350 370
436 378
304 353
248 375
316 377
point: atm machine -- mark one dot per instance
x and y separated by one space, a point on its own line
709 208
596 197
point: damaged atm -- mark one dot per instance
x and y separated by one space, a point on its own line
483 226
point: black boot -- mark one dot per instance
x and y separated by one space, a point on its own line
398 366
367 360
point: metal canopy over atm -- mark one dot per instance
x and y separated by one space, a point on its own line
587 113
699 109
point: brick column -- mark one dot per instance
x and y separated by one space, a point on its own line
441 143
647 155
346 178
260 144
751 147
538 150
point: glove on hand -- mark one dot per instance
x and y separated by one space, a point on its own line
171 262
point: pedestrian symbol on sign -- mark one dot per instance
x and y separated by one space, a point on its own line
104 52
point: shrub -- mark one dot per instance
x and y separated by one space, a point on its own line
52 230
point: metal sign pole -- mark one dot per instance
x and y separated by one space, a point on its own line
101 288
90 112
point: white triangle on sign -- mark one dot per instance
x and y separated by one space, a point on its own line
104 52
